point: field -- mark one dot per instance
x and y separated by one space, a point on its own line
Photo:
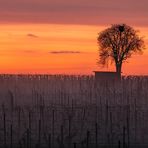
59 111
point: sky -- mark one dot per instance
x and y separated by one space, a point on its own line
60 36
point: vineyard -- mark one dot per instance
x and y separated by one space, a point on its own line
61 111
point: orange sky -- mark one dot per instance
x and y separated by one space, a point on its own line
53 48
60 36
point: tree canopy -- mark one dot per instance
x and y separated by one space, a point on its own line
118 43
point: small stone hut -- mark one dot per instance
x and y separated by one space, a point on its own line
106 76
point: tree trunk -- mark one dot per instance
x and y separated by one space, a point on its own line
118 69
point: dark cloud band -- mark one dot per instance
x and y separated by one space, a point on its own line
65 52
75 12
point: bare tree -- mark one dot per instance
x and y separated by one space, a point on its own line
117 44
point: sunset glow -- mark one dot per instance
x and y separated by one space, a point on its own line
51 48
53 45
